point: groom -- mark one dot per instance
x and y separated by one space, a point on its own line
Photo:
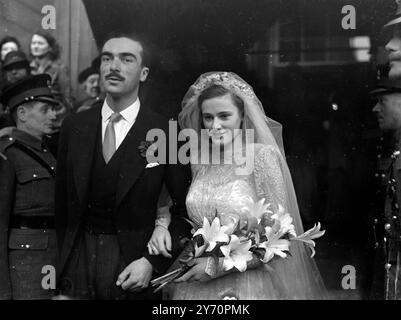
107 193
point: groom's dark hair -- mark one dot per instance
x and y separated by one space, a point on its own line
147 46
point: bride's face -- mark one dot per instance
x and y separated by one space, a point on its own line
222 118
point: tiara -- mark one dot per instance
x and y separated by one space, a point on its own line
228 80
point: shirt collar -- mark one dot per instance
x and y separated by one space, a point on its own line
27 139
129 114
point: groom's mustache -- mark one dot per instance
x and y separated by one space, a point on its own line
114 75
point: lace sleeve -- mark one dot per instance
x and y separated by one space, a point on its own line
268 174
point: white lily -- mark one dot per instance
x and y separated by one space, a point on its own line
257 209
274 245
308 236
236 254
285 221
212 233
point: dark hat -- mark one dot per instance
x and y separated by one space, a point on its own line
397 18
386 86
14 58
84 74
32 88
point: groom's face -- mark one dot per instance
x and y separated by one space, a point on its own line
121 66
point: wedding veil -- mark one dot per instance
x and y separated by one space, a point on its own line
266 130
301 277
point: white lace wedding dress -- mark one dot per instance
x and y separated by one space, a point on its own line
217 188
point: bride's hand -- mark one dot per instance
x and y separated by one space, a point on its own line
160 242
197 272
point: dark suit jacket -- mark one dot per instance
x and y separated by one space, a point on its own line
137 191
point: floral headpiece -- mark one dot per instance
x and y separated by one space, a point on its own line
228 80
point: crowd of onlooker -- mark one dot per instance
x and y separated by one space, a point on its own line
45 57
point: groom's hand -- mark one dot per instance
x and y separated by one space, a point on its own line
135 276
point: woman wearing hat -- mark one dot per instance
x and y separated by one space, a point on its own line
8 44
16 66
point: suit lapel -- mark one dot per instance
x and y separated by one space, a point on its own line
133 163
83 149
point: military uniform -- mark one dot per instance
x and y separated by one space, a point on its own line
387 219
28 240
28 246
387 226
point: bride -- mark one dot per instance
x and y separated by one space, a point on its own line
226 106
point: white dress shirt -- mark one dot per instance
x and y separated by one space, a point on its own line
121 127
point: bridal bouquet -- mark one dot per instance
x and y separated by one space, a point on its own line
231 240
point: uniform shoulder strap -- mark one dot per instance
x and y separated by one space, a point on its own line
5 142
35 157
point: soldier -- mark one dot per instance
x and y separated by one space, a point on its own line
392 31
387 221
28 248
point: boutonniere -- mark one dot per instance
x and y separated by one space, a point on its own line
145 145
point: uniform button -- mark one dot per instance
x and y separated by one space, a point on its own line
52 168
35 175
11 139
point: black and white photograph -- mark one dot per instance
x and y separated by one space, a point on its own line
200 150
